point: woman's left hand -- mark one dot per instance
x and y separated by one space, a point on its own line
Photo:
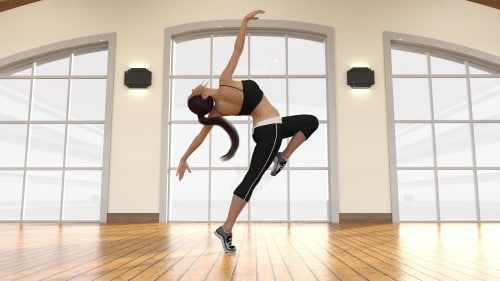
252 15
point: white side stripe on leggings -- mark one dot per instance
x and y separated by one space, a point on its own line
265 163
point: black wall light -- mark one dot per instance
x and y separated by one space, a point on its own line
138 78
360 77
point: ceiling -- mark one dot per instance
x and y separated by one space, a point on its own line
492 3
11 4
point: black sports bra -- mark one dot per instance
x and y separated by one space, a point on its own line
252 95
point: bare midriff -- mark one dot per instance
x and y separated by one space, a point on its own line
263 111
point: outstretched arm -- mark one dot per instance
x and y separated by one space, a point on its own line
239 45
197 141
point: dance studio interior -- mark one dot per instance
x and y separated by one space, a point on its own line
400 180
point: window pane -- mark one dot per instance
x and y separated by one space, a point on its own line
49 99
313 152
46 145
411 99
446 66
450 99
481 69
485 94
222 143
12 145
267 58
181 89
489 194
453 145
404 62
53 66
192 56
275 91
189 197
223 185
93 62
487 140
88 99
456 195
223 49
269 199
182 136
268 55
308 96
43 195
14 99
417 196
85 145
11 192
414 146
312 63
24 70
82 193
309 195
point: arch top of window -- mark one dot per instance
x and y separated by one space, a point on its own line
23 66
231 27
194 36
483 63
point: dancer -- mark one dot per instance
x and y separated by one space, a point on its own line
245 98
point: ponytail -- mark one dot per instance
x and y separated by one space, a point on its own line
230 130
201 107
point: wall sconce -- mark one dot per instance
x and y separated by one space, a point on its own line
138 78
360 77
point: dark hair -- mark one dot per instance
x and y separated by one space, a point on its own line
201 107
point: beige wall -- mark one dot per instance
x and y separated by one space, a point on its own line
358 24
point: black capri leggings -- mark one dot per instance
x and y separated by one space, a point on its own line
268 141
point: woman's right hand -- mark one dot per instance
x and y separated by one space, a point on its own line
183 166
252 15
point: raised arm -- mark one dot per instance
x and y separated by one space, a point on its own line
239 45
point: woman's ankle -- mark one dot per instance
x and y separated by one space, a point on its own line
227 229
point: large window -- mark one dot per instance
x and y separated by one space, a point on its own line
446 124
52 128
291 69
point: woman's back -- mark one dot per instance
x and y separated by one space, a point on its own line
243 98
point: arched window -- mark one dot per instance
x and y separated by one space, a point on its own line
445 118
54 115
291 68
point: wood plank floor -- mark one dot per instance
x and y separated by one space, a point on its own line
266 251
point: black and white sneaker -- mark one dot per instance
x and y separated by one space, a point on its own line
226 238
279 163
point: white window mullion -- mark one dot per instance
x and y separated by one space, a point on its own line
473 143
32 85
433 130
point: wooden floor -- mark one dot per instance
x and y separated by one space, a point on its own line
266 251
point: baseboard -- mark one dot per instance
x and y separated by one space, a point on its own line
133 217
365 217
155 217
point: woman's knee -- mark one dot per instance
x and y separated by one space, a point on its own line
311 127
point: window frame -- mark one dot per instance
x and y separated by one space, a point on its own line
393 40
261 26
107 40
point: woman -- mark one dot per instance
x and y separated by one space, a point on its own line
245 98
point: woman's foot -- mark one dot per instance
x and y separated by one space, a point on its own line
279 163
226 238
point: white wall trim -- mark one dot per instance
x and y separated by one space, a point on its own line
107 39
433 45
270 26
